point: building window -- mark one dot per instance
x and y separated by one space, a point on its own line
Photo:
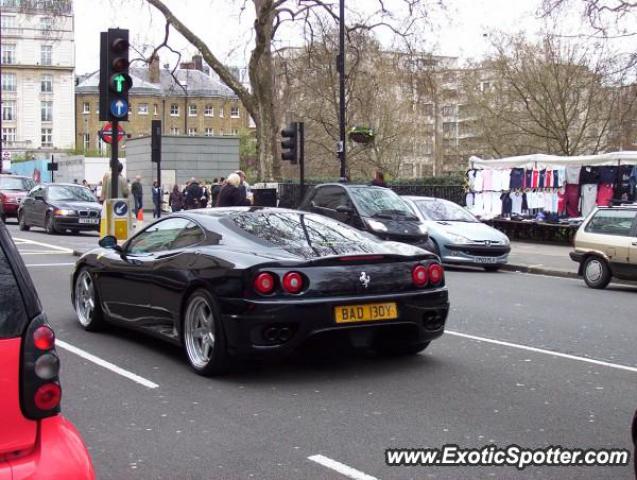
8 53
174 110
8 136
46 83
235 131
192 132
86 141
142 109
101 145
7 21
47 137
155 109
221 112
46 55
46 111
485 86
208 111
174 131
86 107
234 112
209 132
8 110
448 110
46 23
8 82
192 110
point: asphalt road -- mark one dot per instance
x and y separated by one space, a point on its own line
477 385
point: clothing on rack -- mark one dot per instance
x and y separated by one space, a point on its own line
589 197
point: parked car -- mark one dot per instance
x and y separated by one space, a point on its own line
376 210
36 441
13 189
58 207
458 237
247 281
606 245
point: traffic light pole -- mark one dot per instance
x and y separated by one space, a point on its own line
302 158
341 70
114 160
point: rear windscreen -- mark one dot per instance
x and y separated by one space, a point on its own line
13 317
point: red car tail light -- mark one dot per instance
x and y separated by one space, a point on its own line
436 273
292 282
48 396
44 338
419 275
264 283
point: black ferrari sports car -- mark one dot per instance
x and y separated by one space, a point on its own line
250 281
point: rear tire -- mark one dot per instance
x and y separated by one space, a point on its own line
596 273
22 223
86 302
3 218
203 335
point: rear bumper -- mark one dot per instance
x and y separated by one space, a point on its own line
421 318
59 453
9 209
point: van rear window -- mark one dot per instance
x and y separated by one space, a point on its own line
13 316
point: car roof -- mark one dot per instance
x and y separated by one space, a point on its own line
49 184
418 197
349 185
619 207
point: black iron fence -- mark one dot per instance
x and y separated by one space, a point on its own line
290 195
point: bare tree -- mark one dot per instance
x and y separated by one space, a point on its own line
550 97
270 15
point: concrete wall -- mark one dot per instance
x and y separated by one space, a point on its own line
184 157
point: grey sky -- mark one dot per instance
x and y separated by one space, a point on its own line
458 30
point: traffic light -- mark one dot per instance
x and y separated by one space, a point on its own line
289 143
115 82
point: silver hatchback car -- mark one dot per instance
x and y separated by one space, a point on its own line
459 237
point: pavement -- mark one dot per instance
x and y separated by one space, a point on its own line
530 360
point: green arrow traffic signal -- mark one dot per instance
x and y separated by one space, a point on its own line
119 83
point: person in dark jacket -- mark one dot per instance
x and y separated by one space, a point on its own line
216 189
176 199
193 194
138 193
231 194
156 200
379 179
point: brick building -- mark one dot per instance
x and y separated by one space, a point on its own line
188 102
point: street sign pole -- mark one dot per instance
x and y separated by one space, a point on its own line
52 169
114 161
155 154
342 154
302 158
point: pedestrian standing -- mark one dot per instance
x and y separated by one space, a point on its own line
138 193
245 186
232 195
216 188
176 199
193 194
205 196
122 188
379 179
156 199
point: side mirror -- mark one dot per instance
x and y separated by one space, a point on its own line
39 196
345 209
110 242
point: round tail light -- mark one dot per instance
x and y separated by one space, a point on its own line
44 338
436 273
419 275
264 283
47 366
48 396
292 282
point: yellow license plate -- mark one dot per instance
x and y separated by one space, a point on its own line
365 313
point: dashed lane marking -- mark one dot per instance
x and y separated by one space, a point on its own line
24 241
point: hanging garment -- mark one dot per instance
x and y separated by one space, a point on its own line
516 202
469 200
505 179
528 178
605 194
608 174
561 201
516 179
571 202
487 180
572 175
589 175
507 204
478 204
559 177
623 190
589 197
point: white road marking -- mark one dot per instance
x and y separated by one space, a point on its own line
42 244
42 253
546 352
107 365
341 468
49 264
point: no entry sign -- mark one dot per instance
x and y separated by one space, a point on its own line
107 132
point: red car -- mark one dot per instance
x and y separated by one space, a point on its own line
36 441
12 190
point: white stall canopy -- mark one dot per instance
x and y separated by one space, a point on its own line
540 160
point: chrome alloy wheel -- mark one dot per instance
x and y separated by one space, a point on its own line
84 298
594 270
199 332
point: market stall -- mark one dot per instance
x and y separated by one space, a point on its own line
545 197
